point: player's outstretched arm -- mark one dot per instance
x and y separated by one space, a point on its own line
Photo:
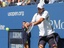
38 22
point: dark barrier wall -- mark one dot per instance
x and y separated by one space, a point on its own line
12 17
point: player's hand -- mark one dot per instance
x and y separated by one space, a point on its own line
27 25
30 24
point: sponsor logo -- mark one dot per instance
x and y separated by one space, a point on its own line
19 13
17 35
57 24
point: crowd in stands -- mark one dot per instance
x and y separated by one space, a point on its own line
4 3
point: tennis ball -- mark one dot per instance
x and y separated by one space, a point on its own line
7 29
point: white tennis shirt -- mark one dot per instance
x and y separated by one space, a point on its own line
45 27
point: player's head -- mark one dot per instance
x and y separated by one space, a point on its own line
24 22
40 8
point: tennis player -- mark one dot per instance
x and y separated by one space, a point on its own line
46 33
26 35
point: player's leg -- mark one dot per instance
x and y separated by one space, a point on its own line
57 37
29 36
52 41
26 46
41 43
27 43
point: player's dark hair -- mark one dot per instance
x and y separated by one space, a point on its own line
24 21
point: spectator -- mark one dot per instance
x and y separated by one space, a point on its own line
12 3
9 1
19 1
59 1
42 1
50 1
28 2
55 1
3 4
34 2
23 2
1 0
0 4
46 1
